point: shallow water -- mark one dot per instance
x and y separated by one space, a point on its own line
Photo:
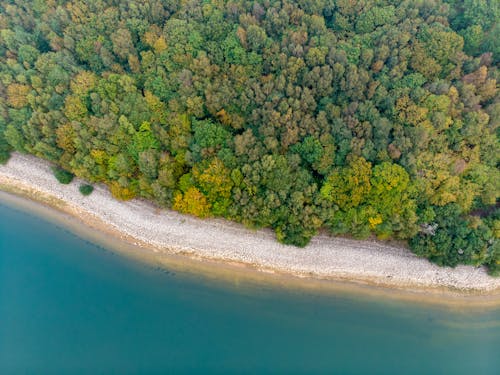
69 306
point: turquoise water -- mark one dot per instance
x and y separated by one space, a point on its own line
68 306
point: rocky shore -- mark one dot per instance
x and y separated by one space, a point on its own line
143 224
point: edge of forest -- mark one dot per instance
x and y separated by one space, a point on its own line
164 231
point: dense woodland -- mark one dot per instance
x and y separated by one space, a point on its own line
361 117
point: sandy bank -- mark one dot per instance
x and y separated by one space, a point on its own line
168 231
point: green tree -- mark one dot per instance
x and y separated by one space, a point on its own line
64 177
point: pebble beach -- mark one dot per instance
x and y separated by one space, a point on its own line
160 230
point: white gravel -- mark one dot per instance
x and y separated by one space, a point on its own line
324 257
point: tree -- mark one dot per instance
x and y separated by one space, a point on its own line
215 182
349 186
64 177
17 95
192 202
456 239
86 189
365 117
142 141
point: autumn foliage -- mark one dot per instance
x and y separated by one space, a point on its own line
364 118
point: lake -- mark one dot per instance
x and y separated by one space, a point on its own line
70 306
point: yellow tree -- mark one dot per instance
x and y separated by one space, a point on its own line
83 82
120 192
215 181
65 137
192 202
74 108
347 187
17 95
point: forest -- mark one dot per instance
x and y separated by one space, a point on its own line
359 117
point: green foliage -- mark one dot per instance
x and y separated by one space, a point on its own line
142 140
457 238
86 189
349 186
310 150
208 138
493 263
14 138
5 147
477 22
63 176
365 117
4 155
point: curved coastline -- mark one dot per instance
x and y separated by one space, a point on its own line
167 232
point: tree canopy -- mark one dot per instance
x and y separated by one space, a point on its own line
363 117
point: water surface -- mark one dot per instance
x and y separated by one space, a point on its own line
69 306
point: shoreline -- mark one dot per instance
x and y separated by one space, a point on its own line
244 278
160 232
